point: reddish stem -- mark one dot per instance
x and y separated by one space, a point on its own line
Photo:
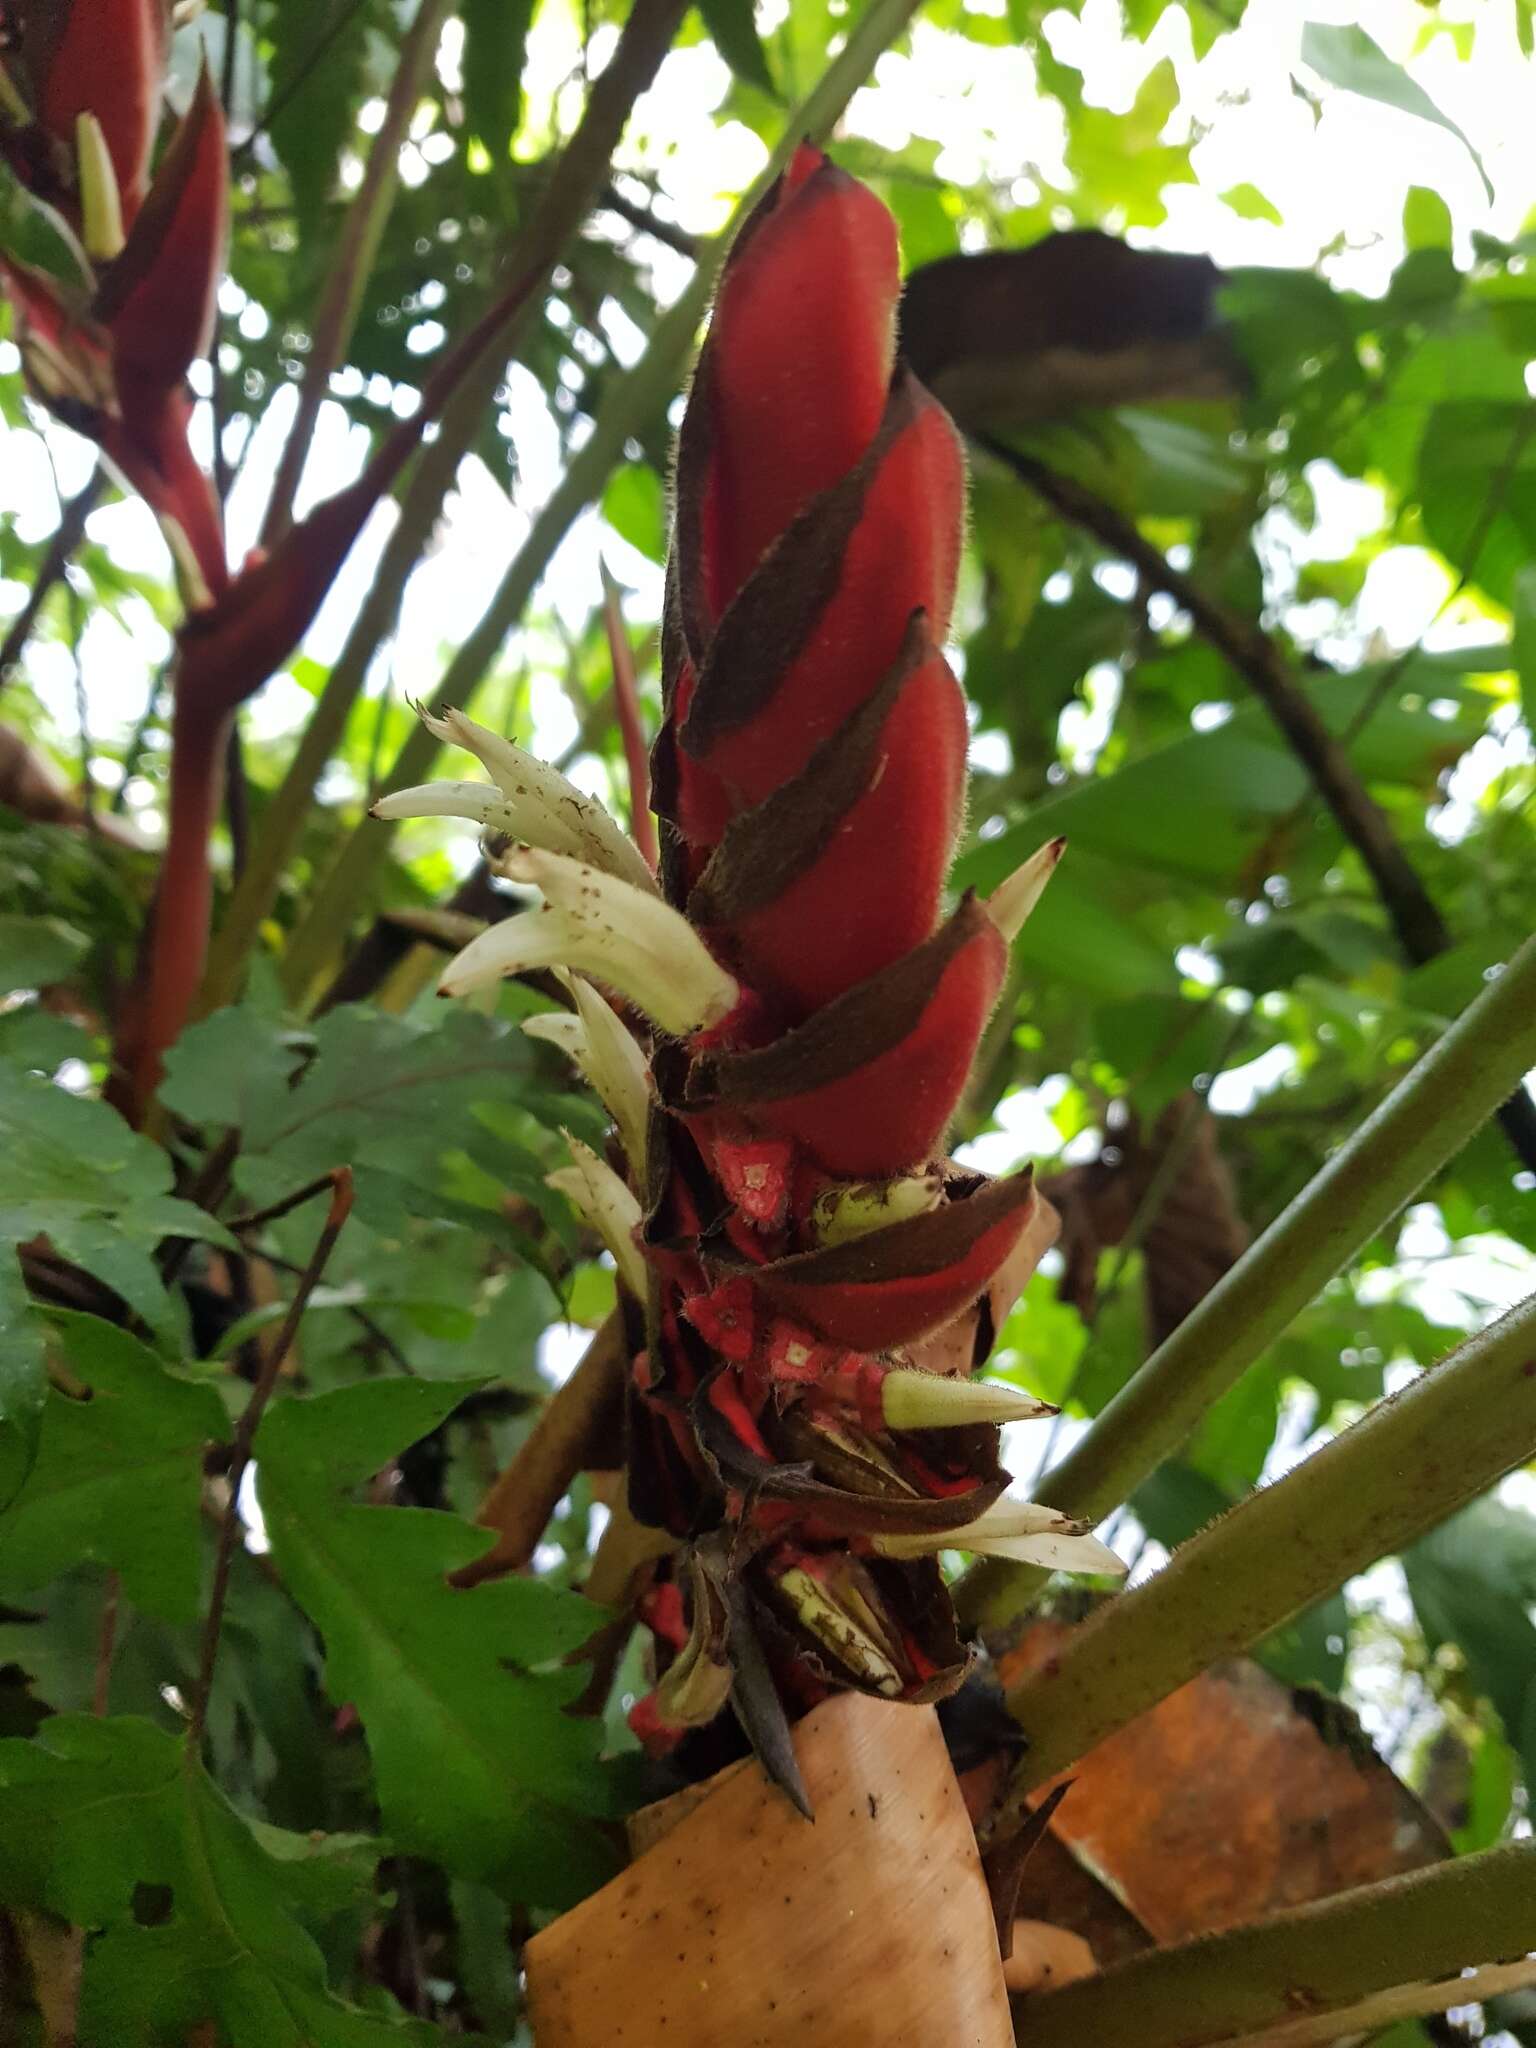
626 698
177 938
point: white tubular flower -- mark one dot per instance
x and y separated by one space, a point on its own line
929 1400
596 1192
101 205
596 1043
1022 1531
526 800
620 935
1011 902
617 1068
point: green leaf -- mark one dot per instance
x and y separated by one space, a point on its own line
1348 58
1199 807
478 1764
1477 484
634 505
495 43
35 951
118 1476
1473 1582
225 1068
1249 203
318 64
23 1379
193 1912
735 36
77 1175
1426 219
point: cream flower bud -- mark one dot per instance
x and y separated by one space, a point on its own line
620 935
1011 902
929 1400
595 1190
605 1053
101 205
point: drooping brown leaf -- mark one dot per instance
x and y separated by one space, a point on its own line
1076 319
1194 1235
1231 1799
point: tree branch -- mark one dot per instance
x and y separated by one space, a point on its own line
339 1182
560 1444
1426 1119
1421 931
1317 1958
626 697
66 539
1406 1465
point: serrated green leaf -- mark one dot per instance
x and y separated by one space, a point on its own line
478 1764
76 1175
117 1479
193 1912
1347 57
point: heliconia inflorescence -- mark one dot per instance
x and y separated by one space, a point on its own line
818 1281
110 346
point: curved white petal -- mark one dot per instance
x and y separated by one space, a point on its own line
591 1186
595 1041
481 801
1022 1530
539 805
1011 902
619 935
620 1072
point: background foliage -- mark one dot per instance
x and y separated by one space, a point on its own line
391 1791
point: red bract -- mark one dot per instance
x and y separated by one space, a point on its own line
100 57
806 1237
115 365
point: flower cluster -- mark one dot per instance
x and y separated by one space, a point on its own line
813 1282
110 328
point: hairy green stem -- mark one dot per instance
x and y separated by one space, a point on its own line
631 403
1407 1464
1430 1924
1433 1111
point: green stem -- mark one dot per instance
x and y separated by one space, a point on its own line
1427 1118
352 261
1430 1924
290 807
1406 1465
630 405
